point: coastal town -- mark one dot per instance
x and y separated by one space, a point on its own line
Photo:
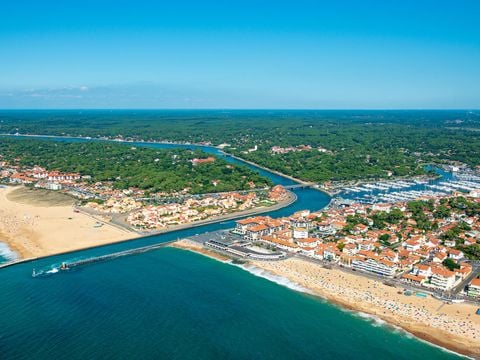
414 264
419 245
430 244
400 248
240 180
139 210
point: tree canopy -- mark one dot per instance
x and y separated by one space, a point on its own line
127 166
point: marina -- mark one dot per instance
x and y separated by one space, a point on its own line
199 180
128 269
408 190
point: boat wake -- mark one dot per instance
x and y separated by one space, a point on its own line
53 269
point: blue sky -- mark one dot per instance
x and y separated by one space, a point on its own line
240 54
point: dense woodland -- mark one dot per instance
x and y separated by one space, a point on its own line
363 144
126 166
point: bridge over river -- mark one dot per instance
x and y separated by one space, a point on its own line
307 197
299 186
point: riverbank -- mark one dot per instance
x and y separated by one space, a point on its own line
33 227
335 190
454 327
299 181
36 224
290 199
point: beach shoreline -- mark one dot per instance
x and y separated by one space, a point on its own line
453 327
34 230
24 243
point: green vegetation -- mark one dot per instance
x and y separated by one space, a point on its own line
384 237
361 144
451 264
382 218
454 232
472 251
127 166
460 203
418 209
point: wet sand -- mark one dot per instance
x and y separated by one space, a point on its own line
455 327
186 244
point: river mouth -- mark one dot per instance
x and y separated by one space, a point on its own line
306 198
128 273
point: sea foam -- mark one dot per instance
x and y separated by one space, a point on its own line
7 253
377 322
280 280
374 320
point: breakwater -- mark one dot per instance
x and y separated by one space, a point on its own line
96 259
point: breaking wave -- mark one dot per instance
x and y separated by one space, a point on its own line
7 253
280 280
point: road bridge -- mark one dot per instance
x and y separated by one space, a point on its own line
299 186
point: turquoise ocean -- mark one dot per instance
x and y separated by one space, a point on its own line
174 304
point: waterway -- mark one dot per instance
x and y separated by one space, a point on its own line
173 304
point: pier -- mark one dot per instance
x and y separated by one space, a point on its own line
96 259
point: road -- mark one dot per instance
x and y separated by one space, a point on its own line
395 281
475 272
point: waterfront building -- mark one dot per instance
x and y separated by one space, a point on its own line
464 271
442 278
372 263
281 243
308 242
255 232
474 288
424 270
413 279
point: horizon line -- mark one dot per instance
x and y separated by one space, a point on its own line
240 109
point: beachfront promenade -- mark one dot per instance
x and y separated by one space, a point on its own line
202 240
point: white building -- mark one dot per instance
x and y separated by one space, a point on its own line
474 288
377 266
300 233
442 279
455 254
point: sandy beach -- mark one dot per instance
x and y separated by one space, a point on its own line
34 223
455 327
186 244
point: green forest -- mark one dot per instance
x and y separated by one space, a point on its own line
155 170
362 144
